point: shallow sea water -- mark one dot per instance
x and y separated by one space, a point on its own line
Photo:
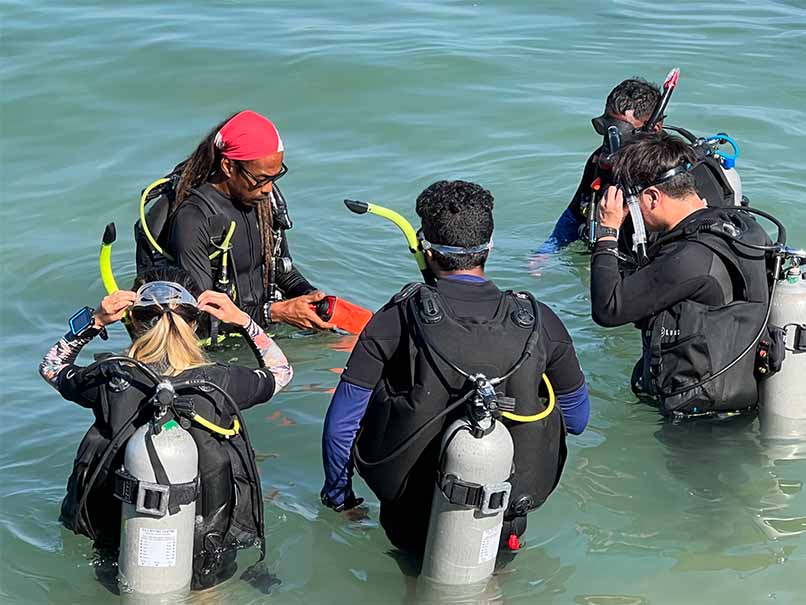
376 100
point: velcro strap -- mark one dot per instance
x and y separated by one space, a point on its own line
153 498
461 492
800 338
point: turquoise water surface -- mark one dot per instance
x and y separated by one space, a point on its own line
376 100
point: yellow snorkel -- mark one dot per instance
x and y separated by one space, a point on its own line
105 259
401 223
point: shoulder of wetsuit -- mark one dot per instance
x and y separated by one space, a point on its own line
407 292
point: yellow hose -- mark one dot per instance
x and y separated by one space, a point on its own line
404 225
144 223
225 245
539 415
105 265
236 426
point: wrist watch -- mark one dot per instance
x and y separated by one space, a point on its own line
82 324
604 231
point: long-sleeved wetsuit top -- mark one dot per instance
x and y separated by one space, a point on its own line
246 386
190 243
468 296
680 270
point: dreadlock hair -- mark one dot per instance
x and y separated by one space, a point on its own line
457 213
637 94
197 170
643 160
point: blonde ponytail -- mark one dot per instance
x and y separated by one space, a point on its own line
170 343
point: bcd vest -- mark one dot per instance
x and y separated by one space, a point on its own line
230 502
404 401
689 343
161 202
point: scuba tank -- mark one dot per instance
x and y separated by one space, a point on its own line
782 388
159 486
471 494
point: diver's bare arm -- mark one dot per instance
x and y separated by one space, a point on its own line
61 355
272 355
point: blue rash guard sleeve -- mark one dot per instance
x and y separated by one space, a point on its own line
343 418
565 232
575 407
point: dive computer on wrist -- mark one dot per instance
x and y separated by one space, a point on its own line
82 324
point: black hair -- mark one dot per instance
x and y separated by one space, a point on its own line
199 167
637 94
144 316
457 213
641 162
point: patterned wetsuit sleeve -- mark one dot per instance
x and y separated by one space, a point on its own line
60 356
272 355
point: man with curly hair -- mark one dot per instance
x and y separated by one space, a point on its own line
396 381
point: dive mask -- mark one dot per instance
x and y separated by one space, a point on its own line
615 132
443 249
163 294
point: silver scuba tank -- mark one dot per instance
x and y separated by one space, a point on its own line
469 501
783 395
735 183
157 519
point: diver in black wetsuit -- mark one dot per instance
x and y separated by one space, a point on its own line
163 315
392 384
628 108
233 173
702 296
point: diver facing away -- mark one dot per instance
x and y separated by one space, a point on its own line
409 373
164 386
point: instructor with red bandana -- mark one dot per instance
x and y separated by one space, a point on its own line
233 173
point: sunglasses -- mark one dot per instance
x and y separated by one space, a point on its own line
258 182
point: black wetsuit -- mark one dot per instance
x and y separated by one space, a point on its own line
679 271
191 247
383 356
698 304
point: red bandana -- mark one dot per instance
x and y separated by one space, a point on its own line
248 136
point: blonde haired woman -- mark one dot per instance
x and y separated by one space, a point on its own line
163 313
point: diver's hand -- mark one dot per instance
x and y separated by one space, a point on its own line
113 307
298 312
612 209
348 504
220 306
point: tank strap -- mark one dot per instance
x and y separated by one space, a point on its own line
159 473
490 498
154 499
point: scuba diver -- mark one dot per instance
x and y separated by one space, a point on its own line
700 292
223 203
162 387
633 106
429 350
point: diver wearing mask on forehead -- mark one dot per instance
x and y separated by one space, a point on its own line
636 106
700 297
